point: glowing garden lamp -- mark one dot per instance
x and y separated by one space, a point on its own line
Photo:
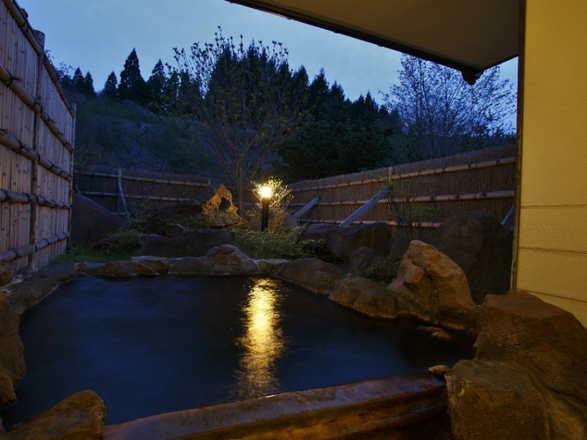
265 197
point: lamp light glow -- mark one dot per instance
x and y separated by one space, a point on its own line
266 192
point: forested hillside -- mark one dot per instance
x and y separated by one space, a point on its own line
226 106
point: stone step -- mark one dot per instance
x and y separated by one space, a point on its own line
326 413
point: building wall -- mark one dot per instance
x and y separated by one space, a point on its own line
552 245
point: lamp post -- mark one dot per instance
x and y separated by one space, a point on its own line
265 196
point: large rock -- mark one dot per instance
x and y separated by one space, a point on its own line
341 242
119 269
481 246
400 246
212 208
194 243
80 416
191 266
90 222
432 287
365 297
229 259
158 264
539 341
38 285
12 365
222 260
270 265
494 400
545 340
311 273
359 260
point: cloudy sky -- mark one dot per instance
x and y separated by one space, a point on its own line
98 36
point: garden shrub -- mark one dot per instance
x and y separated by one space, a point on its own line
383 270
274 244
124 241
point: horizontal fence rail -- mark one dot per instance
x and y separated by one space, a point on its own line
431 172
422 199
29 153
22 198
131 196
145 179
23 251
370 222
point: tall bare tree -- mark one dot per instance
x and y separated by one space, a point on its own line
441 114
244 102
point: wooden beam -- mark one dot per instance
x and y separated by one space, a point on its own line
293 221
121 194
363 209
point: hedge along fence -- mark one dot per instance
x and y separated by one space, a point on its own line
477 174
141 189
36 148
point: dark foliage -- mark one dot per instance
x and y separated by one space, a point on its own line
338 137
132 85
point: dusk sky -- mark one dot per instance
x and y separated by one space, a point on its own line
98 36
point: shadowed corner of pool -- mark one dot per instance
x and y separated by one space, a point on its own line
381 408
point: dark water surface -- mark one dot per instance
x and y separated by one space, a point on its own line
155 345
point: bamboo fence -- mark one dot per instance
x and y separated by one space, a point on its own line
141 190
36 148
480 180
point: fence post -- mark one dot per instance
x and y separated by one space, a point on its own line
71 159
121 193
35 163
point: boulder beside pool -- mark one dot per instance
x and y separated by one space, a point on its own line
528 379
366 297
341 242
429 286
193 243
90 222
221 260
118 269
12 365
432 287
310 273
80 416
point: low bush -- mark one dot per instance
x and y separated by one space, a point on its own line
80 254
124 241
273 244
383 270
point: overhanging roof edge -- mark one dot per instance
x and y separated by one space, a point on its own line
446 61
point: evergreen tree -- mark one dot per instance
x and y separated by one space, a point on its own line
339 137
132 85
111 87
88 86
156 83
66 82
78 82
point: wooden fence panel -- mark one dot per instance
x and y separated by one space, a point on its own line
476 180
101 186
36 148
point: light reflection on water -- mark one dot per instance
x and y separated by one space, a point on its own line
262 343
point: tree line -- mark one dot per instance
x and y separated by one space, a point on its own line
256 115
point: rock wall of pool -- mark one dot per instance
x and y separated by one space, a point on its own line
251 345
148 346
